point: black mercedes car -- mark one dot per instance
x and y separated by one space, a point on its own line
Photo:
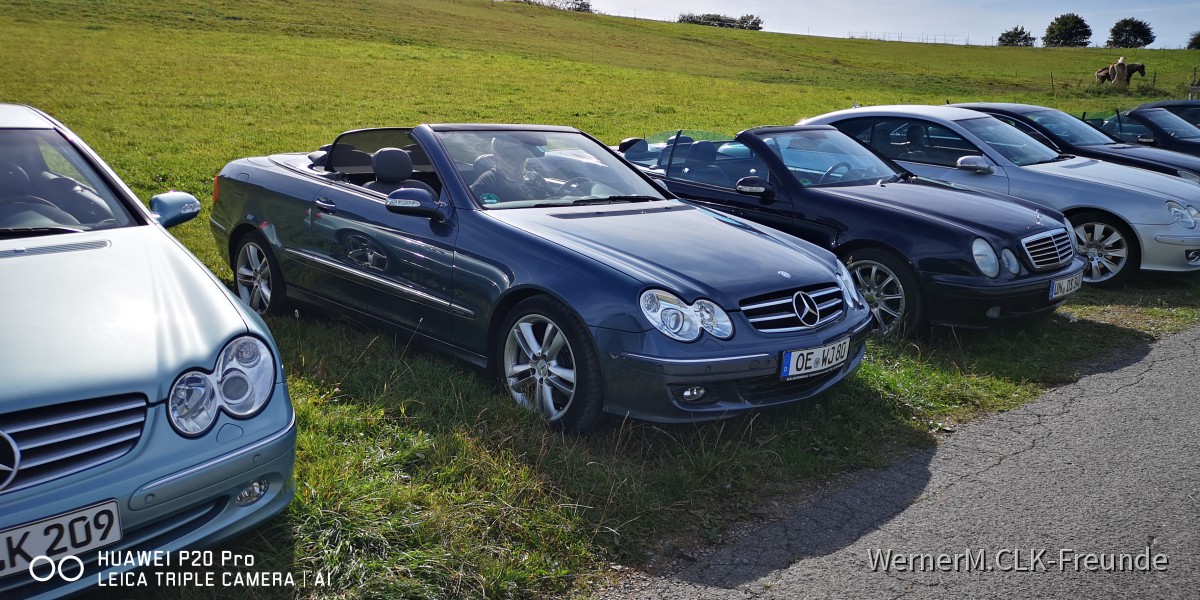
1153 126
921 251
536 253
1188 110
1070 135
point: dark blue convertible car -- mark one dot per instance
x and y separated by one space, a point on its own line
920 251
536 252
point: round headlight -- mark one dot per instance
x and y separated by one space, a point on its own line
682 322
985 257
853 295
713 319
247 376
1183 215
1010 261
192 405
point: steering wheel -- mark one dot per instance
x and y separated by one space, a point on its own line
12 215
26 199
831 170
571 183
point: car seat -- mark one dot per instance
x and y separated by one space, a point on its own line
393 171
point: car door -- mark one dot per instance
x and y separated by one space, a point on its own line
391 266
736 160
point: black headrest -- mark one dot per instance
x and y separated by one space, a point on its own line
13 180
392 165
702 152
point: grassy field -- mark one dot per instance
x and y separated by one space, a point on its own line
415 478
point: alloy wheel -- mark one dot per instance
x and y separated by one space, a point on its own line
539 366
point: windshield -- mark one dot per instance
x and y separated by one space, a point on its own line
1172 124
1069 128
517 169
827 157
47 186
1015 145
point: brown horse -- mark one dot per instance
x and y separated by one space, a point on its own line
1109 73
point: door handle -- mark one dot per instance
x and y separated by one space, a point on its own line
326 206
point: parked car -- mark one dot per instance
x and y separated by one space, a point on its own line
1156 127
1065 133
537 253
1125 218
1188 110
143 405
920 251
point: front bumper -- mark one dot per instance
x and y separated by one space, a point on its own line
1169 247
649 387
187 506
963 302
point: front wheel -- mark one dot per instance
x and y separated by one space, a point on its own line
548 365
1108 246
890 288
257 278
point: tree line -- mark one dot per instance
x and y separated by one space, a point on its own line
1070 30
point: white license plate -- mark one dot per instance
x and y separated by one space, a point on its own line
1066 286
66 534
803 363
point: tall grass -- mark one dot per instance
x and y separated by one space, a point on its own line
415 477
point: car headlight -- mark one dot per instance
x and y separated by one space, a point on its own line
1184 215
1189 175
681 321
985 257
847 282
1010 261
240 385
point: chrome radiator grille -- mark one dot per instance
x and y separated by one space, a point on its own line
1049 250
58 440
787 310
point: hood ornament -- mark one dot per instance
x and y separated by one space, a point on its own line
1037 215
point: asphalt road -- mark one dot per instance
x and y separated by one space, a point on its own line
1093 491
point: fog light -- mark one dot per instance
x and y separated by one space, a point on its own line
1192 256
694 394
253 492
993 312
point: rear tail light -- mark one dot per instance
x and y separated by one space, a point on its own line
216 178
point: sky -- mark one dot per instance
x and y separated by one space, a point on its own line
977 22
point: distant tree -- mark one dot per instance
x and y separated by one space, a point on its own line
751 22
1194 41
1017 36
1067 30
1130 33
715 20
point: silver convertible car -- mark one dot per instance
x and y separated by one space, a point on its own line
1125 218
142 405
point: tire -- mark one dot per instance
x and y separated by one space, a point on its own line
547 364
891 290
257 279
1109 248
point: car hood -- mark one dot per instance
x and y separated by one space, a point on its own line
688 249
108 312
1160 156
997 215
1089 171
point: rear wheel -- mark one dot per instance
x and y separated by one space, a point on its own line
257 278
890 288
548 365
1108 246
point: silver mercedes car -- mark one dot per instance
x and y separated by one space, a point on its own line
1125 218
142 405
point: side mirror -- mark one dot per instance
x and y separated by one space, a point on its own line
978 164
173 208
757 186
417 202
1147 140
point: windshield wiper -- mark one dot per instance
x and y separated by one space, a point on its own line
631 198
20 232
